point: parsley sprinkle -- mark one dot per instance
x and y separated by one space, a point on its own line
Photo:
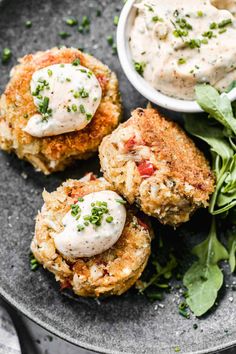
71 22
200 13
28 24
49 72
80 199
6 55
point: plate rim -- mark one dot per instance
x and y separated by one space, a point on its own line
101 350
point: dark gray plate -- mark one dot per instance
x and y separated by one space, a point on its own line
129 323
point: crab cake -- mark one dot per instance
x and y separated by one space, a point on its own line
153 163
90 239
57 107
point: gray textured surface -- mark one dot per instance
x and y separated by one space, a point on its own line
127 324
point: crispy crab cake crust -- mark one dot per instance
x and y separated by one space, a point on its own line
109 273
181 180
54 153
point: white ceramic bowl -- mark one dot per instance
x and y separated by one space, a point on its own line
126 20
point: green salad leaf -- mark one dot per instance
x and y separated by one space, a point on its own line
204 278
231 86
218 106
232 249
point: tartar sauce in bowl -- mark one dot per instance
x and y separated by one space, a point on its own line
92 226
66 96
176 44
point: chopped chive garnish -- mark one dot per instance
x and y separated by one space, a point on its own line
80 228
110 40
82 109
139 67
181 61
80 199
76 62
71 22
109 219
74 108
121 201
116 20
28 24
225 23
85 21
49 72
200 13
6 55
64 34
89 116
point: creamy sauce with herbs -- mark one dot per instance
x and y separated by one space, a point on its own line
176 44
67 97
92 226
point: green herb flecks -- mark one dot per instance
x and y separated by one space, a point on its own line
181 61
71 22
139 67
34 264
64 34
6 55
76 62
116 20
28 24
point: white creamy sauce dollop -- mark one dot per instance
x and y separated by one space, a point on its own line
81 238
179 43
67 97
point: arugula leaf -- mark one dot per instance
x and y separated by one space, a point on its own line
204 278
232 249
218 106
160 271
211 134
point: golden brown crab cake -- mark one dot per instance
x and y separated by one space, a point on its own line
153 163
18 106
111 272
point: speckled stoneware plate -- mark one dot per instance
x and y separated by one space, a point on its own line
126 324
